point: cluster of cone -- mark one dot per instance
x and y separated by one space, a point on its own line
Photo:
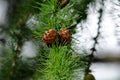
52 37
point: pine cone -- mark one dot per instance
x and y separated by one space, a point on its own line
89 77
63 3
65 37
50 37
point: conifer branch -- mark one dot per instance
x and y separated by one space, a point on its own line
18 23
54 19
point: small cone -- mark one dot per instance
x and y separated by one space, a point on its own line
89 77
65 37
63 3
50 37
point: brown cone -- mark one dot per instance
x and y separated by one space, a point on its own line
50 37
63 3
65 37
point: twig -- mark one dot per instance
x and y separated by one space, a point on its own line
107 59
14 62
93 49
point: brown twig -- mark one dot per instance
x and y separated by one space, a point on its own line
107 59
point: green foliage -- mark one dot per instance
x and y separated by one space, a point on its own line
21 12
14 68
51 16
6 61
60 64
